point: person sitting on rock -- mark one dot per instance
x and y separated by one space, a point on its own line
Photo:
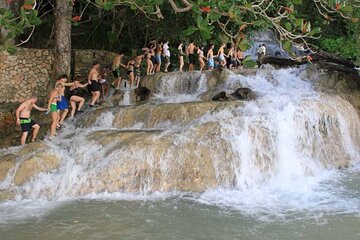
23 119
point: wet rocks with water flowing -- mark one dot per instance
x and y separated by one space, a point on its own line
180 140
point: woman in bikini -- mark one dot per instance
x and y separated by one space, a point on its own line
55 97
130 71
148 57
201 57
221 55
181 55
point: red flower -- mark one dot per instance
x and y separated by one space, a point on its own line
205 9
28 6
337 6
76 18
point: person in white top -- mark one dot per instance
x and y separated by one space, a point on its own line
166 53
262 51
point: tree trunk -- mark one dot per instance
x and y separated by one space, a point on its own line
62 60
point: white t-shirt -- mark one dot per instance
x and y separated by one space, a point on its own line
166 50
262 50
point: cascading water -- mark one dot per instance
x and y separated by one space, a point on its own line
274 157
179 88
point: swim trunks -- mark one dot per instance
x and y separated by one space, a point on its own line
137 71
158 59
117 72
95 86
211 62
26 124
63 104
191 58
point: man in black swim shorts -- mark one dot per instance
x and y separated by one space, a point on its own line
23 119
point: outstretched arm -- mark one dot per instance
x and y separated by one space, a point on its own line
39 108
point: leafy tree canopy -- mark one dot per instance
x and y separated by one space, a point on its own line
332 25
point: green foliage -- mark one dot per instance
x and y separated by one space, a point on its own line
342 46
15 22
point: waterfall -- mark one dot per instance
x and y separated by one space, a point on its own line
289 136
177 88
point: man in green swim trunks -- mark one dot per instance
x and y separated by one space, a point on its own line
23 119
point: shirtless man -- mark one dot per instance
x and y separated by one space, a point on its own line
23 119
116 67
93 80
62 104
190 51
210 57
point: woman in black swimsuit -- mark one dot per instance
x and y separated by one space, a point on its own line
130 71
76 96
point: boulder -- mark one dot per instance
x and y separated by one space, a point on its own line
38 163
7 162
221 96
244 94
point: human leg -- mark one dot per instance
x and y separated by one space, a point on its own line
36 129
55 119
63 115
73 107
23 138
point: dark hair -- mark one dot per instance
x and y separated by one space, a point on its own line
63 76
95 63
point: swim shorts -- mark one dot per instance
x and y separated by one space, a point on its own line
117 72
211 62
95 86
53 107
63 104
26 124
158 59
191 58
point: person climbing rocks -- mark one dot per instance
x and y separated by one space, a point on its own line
94 85
54 99
23 119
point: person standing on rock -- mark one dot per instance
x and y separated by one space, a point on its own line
181 55
116 67
94 85
23 119
190 51
166 53
62 105
54 98
210 57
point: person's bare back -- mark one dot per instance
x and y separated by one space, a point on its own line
93 74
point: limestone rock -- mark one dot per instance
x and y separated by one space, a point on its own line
244 94
6 195
40 162
7 162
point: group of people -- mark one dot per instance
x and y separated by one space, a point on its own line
154 54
